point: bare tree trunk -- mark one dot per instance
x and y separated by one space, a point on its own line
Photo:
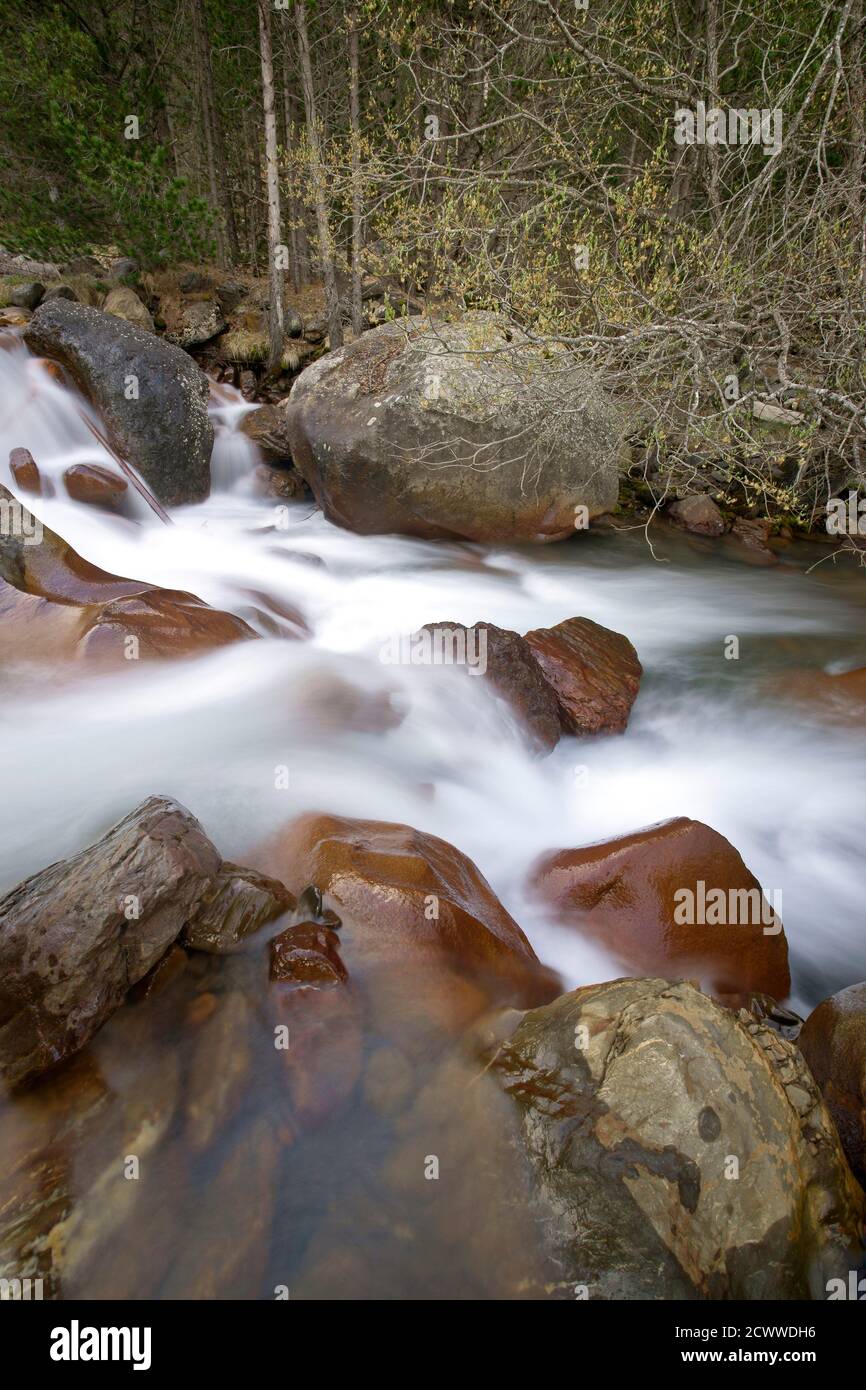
712 79
357 198
294 218
275 267
326 253
213 137
251 165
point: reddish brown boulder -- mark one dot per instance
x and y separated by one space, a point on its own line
104 609
697 513
833 1041
674 900
25 471
406 900
97 486
507 663
595 673
165 623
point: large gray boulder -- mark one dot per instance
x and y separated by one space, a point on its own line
677 1150
151 395
462 429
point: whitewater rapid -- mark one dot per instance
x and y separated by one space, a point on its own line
709 737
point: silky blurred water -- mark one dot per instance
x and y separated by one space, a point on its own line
709 737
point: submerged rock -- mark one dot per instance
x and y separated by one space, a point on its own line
151 395
308 955
833 1041
594 671
677 1151
462 429
674 899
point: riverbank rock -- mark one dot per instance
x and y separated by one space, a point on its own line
198 324
124 303
594 671
462 429
699 514
77 936
505 660
268 428
151 395
833 1041
676 1151
677 900
412 907
27 296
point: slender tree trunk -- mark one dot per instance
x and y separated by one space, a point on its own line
213 136
275 251
289 123
326 253
202 56
712 152
357 196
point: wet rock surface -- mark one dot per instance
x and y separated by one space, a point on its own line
105 612
237 903
595 674
507 663
641 897
833 1041
400 892
77 936
163 429
727 1180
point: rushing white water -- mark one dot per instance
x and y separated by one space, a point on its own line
708 737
